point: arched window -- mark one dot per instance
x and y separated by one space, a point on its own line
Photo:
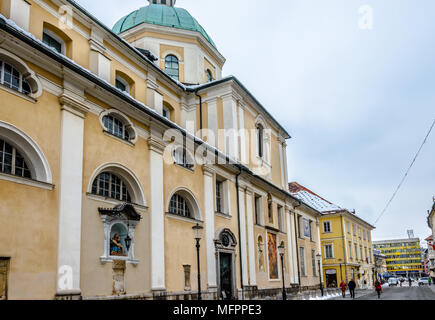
111 186
182 158
179 206
10 77
209 75
260 140
116 127
172 66
11 161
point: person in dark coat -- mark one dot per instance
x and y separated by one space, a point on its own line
352 285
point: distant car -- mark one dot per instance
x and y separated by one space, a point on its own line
393 282
423 281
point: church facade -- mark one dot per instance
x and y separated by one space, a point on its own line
118 146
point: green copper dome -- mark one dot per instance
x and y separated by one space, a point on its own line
161 15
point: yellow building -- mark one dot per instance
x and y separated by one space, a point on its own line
104 169
403 256
345 241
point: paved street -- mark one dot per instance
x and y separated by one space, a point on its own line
396 293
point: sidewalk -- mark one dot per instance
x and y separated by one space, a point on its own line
358 293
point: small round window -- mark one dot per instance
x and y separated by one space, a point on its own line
225 240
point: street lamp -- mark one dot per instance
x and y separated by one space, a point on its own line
319 259
197 232
281 251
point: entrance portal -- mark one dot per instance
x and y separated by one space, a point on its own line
226 243
226 276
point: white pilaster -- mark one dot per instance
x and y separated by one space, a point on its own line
295 247
251 238
290 250
70 195
281 164
18 11
231 145
209 226
212 120
243 157
242 239
157 213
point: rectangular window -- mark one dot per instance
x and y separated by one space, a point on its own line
350 250
219 193
258 210
327 227
356 252
302 259
361 252
300 227
311 230
313 262
270 211
280 219
348 227
51 42
359 232
329 254
4 274
354 230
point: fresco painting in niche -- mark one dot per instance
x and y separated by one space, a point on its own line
273 256
117 244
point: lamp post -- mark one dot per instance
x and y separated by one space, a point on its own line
319 259
281 250
197 232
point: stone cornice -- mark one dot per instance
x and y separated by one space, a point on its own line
72 105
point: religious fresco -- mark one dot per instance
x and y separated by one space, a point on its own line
273 256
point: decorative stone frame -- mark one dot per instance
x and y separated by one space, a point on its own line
129 221
230 249
124 119
28 75
133 184
29 150
192 203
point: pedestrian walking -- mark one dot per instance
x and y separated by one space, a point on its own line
410 282
378 288
351 285
343 288
429 280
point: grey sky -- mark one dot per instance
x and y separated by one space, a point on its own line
358 103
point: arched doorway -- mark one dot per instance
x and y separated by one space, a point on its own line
225 244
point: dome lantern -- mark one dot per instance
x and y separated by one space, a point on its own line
169 3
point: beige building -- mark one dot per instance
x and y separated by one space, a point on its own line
307 222
106 165
346 243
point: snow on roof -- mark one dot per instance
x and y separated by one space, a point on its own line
312 199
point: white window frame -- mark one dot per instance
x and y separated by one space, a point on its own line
331 245
259 209
330 226
57 38
303 261
124 82
225 196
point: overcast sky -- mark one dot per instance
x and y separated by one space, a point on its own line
357 102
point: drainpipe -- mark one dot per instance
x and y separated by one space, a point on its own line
200 111
238 222
297 246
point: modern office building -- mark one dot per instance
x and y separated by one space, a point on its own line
404 257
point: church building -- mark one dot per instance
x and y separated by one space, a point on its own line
130 168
